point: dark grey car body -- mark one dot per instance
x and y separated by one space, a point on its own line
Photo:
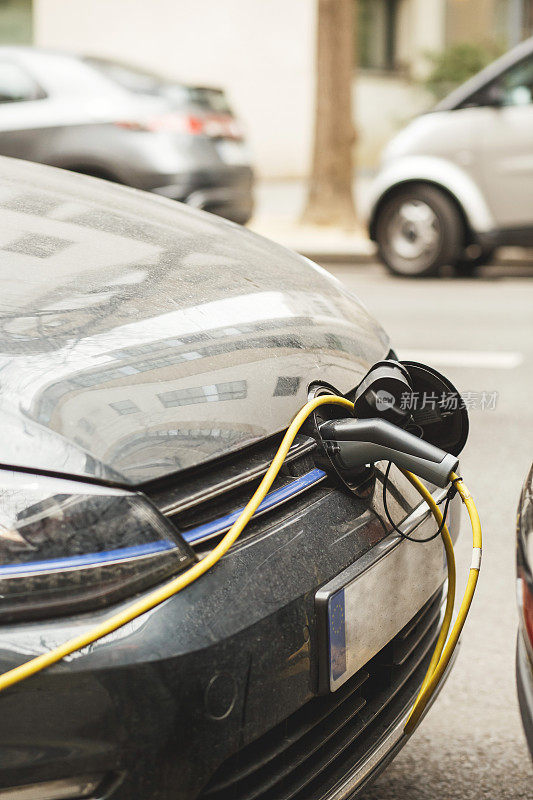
57 109
149 347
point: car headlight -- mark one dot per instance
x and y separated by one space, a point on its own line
68 546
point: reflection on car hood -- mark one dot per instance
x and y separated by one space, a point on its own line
139 337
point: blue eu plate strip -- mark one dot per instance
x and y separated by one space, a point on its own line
337 635
273 499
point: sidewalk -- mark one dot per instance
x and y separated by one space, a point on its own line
279 205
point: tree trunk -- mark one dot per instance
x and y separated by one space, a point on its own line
330 196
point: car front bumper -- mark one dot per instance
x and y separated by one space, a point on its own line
217 679
383 752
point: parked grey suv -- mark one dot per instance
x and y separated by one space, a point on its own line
458 182
112 121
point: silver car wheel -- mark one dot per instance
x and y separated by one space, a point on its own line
414 231
418 230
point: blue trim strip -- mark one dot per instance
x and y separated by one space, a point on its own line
87 559
275 498
200 533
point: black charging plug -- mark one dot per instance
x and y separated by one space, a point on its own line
351 444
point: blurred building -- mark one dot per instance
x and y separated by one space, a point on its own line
262 53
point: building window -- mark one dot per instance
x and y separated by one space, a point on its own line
503 23
37 245
376 31
233 390
286 386
124 407
527 25
16 22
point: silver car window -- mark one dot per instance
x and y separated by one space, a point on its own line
16 84
517 84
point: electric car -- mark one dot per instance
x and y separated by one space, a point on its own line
151 358
106 119
524 652
457 183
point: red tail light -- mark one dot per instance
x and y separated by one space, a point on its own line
216 126
526 603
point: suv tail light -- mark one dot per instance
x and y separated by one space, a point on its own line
524 553
525 603
216 126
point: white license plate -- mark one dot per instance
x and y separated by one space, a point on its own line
364 607
233 152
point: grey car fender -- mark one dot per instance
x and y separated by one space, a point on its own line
440 172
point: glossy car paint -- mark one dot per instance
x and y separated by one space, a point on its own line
524 650
81 120
110 301
480 155
121 296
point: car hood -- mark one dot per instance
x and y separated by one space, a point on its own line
140 337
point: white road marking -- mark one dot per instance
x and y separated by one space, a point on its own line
481 359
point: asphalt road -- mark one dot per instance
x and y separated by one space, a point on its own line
480 332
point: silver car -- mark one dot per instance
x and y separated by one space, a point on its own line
113 121
458 182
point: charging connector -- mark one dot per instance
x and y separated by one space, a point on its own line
353 443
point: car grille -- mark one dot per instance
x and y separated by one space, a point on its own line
306 755
203 503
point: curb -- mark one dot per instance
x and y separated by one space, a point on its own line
340 258
505 258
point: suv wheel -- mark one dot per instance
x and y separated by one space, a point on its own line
418 231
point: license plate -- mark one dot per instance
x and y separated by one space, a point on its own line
364 607
233 152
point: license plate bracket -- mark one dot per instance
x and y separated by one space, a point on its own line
360 610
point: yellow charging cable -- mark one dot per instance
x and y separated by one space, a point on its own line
438 665
440 657
450 561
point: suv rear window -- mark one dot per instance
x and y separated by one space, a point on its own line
141 81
